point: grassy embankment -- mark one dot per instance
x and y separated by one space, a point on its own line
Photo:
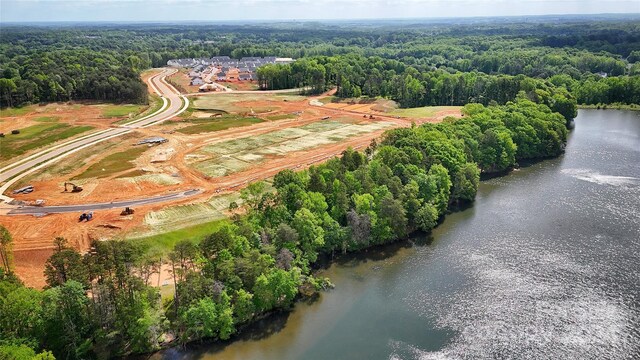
389 107
233 112
280 117
165 242
233 103
155 103
114 111
112 164
10 112
225 122
36 136
422 112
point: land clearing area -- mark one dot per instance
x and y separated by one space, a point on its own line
221 144
40 126
390 108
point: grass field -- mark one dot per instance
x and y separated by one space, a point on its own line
156 178
329 99
280 117
114 163
37 136
164 243
229 102
236 155
10 112
241 86
155 103
422 112
47 119
194 221
113 111
72 163
217 124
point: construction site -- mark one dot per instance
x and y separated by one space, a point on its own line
189 167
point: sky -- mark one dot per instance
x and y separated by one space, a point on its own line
217 10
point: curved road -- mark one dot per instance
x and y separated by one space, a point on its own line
173 104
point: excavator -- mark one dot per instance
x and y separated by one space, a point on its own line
74 187
127 211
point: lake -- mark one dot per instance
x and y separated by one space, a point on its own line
544 265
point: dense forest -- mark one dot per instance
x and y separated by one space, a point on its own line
356 76
261 259
393 59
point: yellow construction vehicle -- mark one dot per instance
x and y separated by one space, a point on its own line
74 187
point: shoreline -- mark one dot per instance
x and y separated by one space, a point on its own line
629 107
324 262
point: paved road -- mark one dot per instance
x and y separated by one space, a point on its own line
43 210
173 104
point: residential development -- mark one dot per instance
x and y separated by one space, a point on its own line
205 71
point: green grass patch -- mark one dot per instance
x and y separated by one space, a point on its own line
280 117
421 112
329 99
217 124
37 136
112 111
164 243
228 102
10 112
46 119
244 88
155 104
113 163
188 111
132 173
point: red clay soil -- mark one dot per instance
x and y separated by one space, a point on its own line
240 85
33 237
75 114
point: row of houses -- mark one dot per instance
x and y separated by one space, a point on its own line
225 61
223 68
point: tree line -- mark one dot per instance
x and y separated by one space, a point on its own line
65 75
356 76
261 259
102 62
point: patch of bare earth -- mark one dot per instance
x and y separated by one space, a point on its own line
33 236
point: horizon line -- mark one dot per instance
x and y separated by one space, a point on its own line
306 20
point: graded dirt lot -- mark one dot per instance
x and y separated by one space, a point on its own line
386 107
240 85
237 139
182 82
41 126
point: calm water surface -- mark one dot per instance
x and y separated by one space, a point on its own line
545 265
